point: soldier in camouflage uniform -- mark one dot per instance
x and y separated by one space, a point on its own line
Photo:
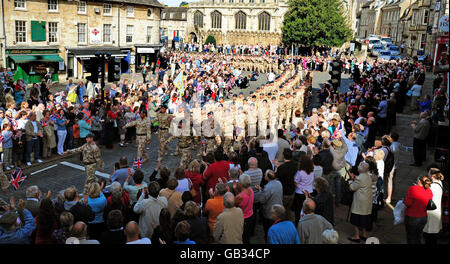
252 118
197 124
164 119
184 143
262 118
289 103
273 114
4 183
240 124
211 133
228 130
92 158
282 110
143 134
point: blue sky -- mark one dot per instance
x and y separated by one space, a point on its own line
174 2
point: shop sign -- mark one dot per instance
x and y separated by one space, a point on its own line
443 23
145 50
29 51
95 36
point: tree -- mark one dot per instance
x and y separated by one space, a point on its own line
184 4
211 39
315 23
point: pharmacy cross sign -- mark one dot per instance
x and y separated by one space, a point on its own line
95 32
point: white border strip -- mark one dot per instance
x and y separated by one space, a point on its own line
43 169
78 167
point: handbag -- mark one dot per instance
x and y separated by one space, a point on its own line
409 93
431 205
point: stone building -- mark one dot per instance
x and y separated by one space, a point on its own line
370 21
63 36
390 18
173 24
251 22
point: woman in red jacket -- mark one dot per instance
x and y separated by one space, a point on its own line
193 173
416 209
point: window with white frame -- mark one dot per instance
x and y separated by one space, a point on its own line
81 8
53 5
81 32
107 9
130 11
21 31
20 4
52 32
107 33
149 34
425 17
129 37
163 15
422 41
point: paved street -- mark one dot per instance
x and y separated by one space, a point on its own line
57 174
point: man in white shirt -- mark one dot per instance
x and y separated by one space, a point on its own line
132 233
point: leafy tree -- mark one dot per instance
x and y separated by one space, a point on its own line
184 4
315 23
211 39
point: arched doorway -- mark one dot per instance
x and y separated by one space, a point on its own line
193 37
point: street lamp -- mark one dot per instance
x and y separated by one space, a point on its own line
102 57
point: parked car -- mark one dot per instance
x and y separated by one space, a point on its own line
376 50
395 50
385 55
385 40
396 57
373 42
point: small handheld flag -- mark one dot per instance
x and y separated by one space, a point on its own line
137 164
17 178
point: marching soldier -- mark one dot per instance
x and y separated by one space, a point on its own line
262 118
240 124
228 130
184 142
197 124
282 111
289 103
252 118
273 114
211 132
143 134
92 158
164 119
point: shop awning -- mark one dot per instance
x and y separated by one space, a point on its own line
90 52
31 58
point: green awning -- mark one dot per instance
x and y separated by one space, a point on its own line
31 58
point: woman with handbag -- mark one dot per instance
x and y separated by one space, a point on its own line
361 209
416 201
434 217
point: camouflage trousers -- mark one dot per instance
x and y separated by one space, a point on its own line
228 142
141 151
90 175
262 128
163 136
210 144
186 157
4 183
287 125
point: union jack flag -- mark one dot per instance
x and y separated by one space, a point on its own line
17 178
137 164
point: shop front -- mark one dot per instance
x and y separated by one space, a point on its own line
146 55
32 64
82 63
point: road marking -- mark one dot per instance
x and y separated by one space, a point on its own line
78 167
43 169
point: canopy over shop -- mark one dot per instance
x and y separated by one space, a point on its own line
32 64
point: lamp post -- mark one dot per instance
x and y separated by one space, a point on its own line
102 57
